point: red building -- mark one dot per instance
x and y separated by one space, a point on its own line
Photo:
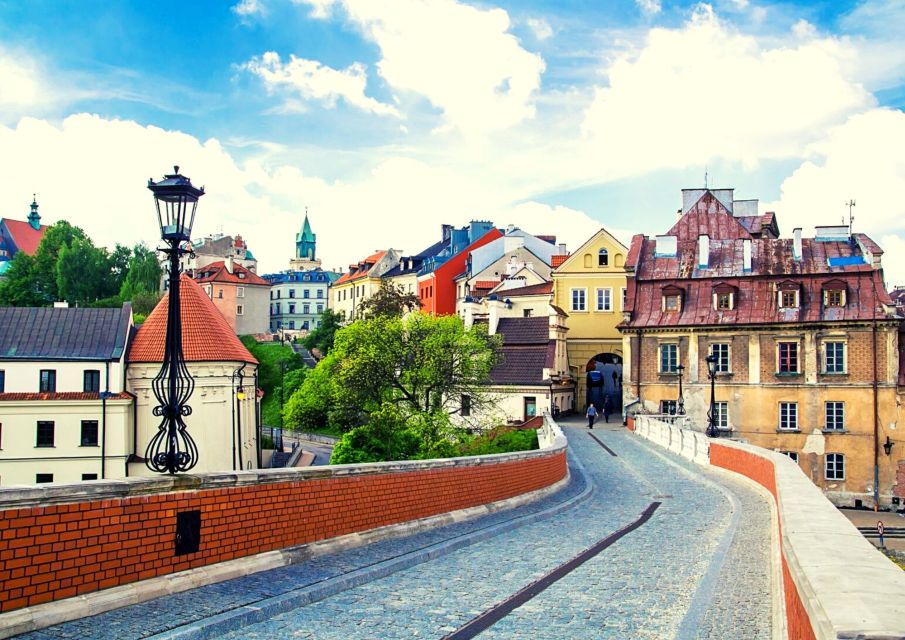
437 287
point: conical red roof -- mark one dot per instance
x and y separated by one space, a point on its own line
206 336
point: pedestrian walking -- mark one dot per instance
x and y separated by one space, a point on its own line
607 408
592 415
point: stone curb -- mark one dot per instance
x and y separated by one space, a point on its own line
265 609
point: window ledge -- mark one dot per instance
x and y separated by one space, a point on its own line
91 446
834 373
833 432
788 374
723 374
669 374
778 430
45 446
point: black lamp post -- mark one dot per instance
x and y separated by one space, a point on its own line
172 449
680 403
712 431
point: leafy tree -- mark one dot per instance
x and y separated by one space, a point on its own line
389 301
19 288
143 303
118 264
311 406
81 271
57 236
142 275
322 338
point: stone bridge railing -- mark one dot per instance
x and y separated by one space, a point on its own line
835 583
88 543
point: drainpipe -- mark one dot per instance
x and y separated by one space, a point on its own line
134 425
258 430
232 404
104 395
876 421
636 356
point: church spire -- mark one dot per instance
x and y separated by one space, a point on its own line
34 218
306 241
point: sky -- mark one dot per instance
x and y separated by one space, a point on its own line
387 119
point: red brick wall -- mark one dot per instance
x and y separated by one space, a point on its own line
59 551
762 472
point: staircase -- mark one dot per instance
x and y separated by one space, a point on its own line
307 358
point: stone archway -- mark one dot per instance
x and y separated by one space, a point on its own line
603 375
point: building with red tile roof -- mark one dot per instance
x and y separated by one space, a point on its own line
242 296
804 336
361 281
20 235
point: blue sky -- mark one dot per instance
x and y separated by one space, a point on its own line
388 119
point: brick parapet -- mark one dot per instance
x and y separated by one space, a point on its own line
59 541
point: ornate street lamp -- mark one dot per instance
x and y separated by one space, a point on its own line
680 403
172 449
712 431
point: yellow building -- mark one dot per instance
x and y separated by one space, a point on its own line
590 286
360 282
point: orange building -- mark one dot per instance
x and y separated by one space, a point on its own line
437 280
242 296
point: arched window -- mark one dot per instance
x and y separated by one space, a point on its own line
603 258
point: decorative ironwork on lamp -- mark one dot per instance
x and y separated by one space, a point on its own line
712 430
172 449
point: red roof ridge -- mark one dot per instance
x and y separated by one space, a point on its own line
222 274
557 260
206 336
25 236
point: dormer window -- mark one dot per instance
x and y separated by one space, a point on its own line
834 293
603 258
724 297
672 300
788 295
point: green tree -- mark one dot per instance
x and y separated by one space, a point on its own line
142 274
389 301
57 236
118 265
322 338
19 288
81 272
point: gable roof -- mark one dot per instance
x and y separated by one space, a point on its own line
206 336
533 330
360 271
45 333
542 289
217 272
708 216
557 260
24 236
587 243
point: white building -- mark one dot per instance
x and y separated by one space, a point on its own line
298 298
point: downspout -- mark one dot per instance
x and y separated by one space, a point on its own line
876 420
134 426
636 356
258 430
104 420
239 417
232 404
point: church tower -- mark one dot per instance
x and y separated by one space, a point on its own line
305 248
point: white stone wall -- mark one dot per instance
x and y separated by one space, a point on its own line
24 377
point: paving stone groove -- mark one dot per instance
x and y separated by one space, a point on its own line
642 586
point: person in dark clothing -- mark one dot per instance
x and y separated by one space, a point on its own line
592 415
607 408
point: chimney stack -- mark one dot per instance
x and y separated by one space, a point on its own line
229 264
703 251
796 243
746 254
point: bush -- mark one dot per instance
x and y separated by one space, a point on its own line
501 440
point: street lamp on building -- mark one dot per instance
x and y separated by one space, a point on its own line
680 403
172 449
712 430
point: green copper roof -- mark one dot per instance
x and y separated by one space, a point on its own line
307 234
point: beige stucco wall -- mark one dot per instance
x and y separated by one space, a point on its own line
24 377
211 422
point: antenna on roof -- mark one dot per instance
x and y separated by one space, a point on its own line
850 204
705 177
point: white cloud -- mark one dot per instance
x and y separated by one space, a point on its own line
705 91
858 160
315 81
461 58
540 28
649 7
248 8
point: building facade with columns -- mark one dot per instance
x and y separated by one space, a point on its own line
803 335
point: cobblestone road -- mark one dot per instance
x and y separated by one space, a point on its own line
699 568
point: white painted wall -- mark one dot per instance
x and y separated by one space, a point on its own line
25 377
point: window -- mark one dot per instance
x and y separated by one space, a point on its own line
721 351
271 294
604 299
291 307
723 301
788 416
277 308
291 293
669 358
43 478
2 381
320 308
292 324
92 380
788 299
89 433
721 415
624 298
320 292
530 407
89 476
305 325
835 466
834 357
48 381
45 434
526 313
788 357
668 407
466 405
241 275
834 298
220 293
578 300
603 258
671 303
835 416
307 294
791 454
240 310
240 292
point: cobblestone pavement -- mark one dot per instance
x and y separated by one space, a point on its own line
698 564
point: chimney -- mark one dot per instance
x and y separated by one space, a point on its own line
703 251
229 264
512 267
493 320
746 255
562 249
796 243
